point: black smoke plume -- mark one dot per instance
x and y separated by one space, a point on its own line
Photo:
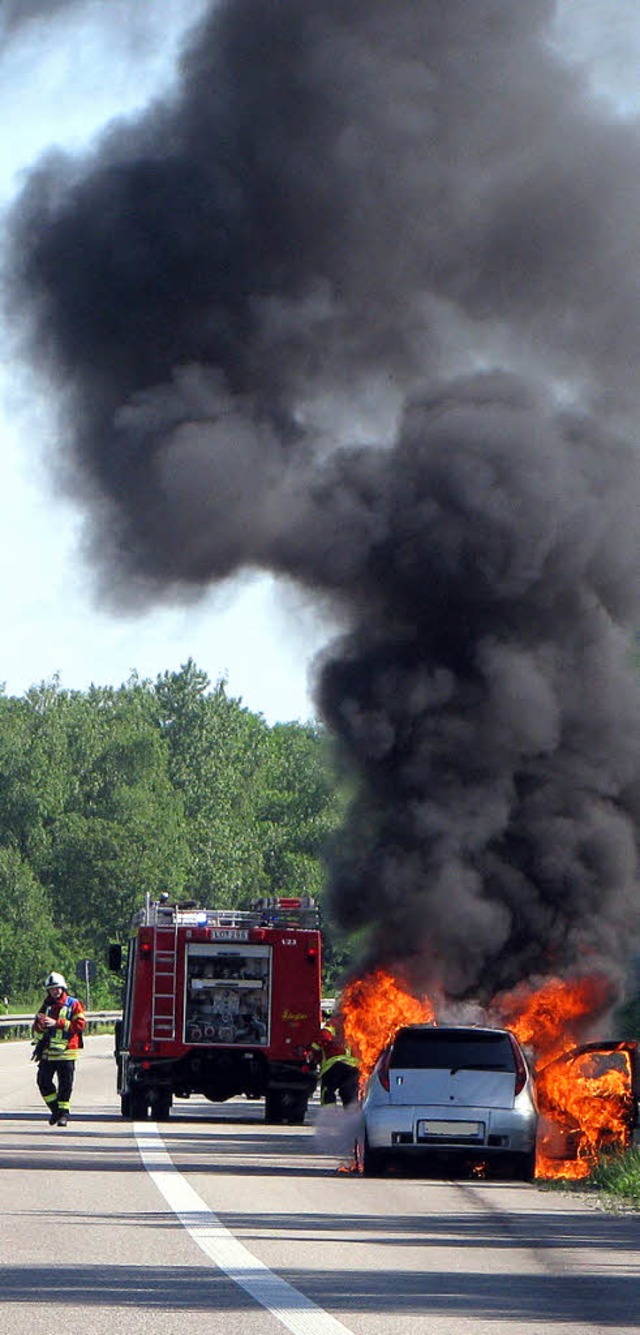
13 13
17 14
129 18
359 305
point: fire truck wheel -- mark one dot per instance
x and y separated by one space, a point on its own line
296 1110
139 1105
133 1103
161 1104
273 1112
372 1161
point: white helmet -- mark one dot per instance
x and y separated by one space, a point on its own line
56 980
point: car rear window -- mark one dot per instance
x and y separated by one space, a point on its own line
428 1049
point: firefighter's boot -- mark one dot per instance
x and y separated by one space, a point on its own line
63 1112
52 1104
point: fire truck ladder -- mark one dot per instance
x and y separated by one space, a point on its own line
163 999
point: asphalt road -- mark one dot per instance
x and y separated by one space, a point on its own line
217 1224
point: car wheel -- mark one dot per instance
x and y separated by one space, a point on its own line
525 1167
373 1161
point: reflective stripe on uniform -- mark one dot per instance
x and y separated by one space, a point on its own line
345 1057
67 1055
57 1049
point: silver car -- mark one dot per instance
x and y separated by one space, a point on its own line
451 1096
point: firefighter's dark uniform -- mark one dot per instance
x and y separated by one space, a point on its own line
338 1068
56 1051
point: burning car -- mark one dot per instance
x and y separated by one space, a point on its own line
589 1099
458 1095
585 1097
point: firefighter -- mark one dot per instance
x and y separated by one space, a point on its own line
59 1026
339 1074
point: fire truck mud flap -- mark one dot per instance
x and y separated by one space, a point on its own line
287 1097
285 1105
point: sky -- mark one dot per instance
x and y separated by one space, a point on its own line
65 73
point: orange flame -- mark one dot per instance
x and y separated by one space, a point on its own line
373 1008
552 1018
585 1102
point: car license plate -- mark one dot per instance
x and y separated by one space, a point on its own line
430 1130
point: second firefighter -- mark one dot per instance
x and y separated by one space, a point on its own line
339 1074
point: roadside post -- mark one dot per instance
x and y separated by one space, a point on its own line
86 972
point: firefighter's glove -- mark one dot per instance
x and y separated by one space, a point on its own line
40 1049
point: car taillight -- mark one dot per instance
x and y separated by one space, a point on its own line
383 1070
521 1070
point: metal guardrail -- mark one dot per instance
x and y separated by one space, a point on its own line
8 1022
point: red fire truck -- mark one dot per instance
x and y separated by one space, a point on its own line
220 1002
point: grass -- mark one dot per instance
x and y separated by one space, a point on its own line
615 1179
618 1176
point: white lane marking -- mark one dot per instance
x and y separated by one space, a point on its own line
298 1313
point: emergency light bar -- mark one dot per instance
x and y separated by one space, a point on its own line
280 911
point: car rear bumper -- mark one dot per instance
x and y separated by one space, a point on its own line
409 1129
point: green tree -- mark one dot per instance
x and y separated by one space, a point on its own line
87 801
298 809
217 750
115 793
123 835
35 774
29 944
